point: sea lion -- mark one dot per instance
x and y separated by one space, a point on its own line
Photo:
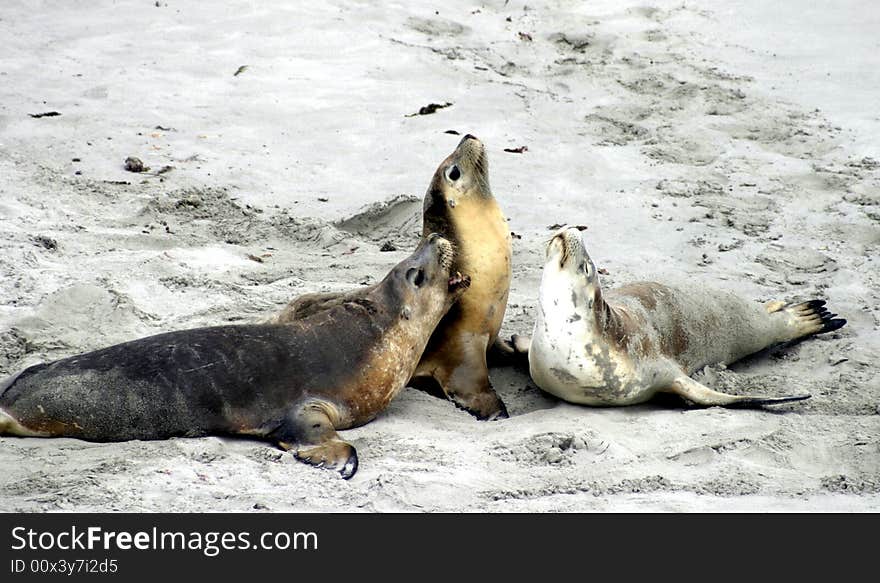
623 346
459 205
294 384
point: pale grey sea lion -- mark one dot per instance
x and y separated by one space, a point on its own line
622 346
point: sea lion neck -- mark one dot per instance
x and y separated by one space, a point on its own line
609 320
386 293
603 317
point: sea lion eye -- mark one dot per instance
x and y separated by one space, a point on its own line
453 173
415 276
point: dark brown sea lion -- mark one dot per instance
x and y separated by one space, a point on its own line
294 384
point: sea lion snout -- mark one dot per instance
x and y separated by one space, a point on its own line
436 251
566 248
445 249
456 282
471 155
431 264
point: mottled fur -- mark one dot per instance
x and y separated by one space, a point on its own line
623 346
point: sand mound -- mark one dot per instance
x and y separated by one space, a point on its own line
397 220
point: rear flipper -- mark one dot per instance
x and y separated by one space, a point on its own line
309 435
509 352
704 396
807 318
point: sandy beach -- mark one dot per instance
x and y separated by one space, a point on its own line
735 145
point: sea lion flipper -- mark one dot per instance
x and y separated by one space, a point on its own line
469 387
505 352
308 433
702 395
333 454
810 317
521 344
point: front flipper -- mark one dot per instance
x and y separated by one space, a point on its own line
465 381
471 390
309 435
455 363
702 395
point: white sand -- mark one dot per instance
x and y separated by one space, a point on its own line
734 144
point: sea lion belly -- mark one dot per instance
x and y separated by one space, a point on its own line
575 365
479 231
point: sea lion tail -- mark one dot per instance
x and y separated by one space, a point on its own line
812 317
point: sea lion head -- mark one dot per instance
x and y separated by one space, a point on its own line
464 173
424 281
566 253
569 275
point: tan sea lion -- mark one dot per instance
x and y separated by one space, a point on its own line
460 206
622 346
294 384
